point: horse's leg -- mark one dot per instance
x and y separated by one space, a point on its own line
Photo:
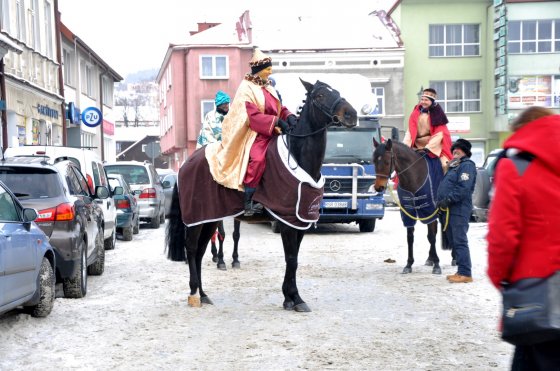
236 235
192 246
213 249
291 239
410 242
207 231
433 256
221 234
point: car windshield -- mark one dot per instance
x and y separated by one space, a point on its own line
31 183
132 174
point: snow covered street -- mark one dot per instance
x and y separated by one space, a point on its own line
366 314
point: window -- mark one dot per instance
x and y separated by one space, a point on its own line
454 40
49 30
87 80
214 67
539 36
205 107
5 9
380 94
34 21
20 21
8 211
458 96
68 60
108 92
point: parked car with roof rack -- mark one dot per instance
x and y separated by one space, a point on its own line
27 259
67 214
91 166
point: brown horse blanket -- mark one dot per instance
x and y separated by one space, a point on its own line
286 191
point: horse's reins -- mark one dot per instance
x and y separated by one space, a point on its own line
394 161
328 111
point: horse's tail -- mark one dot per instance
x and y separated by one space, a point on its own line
175 237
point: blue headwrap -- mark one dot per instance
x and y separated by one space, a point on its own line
221 98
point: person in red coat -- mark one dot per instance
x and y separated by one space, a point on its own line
427 128
524 217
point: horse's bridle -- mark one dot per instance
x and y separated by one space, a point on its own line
328 111
393 162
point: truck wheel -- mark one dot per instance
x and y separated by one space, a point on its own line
275 226
367 225
480 197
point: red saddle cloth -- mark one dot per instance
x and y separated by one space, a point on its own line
286 191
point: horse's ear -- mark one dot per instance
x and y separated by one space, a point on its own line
375 143
388 144
308 86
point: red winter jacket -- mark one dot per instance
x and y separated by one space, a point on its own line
524 217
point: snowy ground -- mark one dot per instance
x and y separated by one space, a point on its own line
366 314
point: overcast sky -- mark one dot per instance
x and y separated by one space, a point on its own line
133 35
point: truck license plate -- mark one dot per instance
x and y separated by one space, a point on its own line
335 204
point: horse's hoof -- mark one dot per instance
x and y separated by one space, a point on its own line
289 305
222 267
407 270
302 308
194 301
429 263
453 263
206 300
215 259
236 265
436 270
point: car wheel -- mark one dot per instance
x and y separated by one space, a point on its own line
46 281
110 242
136 228
127 233
275 226
97 268
367 225
155 223
76 286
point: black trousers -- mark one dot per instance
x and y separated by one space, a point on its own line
538 357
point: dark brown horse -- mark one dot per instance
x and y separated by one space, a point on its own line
218 251
416 190
307 141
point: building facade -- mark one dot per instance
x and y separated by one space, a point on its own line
88 82
33 109
487 60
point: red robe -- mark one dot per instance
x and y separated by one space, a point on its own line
413 130
263 123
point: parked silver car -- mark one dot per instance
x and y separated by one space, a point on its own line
148 190
168 182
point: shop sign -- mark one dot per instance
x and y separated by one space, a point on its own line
92 117
47 111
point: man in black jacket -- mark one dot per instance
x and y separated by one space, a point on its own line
455 193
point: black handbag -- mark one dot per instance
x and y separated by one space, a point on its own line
531 310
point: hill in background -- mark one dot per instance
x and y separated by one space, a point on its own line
141 76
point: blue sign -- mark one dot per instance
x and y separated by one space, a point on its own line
92 117
73 113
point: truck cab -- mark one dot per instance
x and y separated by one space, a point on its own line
347 168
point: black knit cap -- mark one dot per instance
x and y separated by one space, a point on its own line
463 145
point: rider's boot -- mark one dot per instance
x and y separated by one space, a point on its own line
251 208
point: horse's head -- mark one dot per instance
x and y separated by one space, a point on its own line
383 162
328 107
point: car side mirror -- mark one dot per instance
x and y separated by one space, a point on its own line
118 191
166 184
137 192
29 215
102 192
